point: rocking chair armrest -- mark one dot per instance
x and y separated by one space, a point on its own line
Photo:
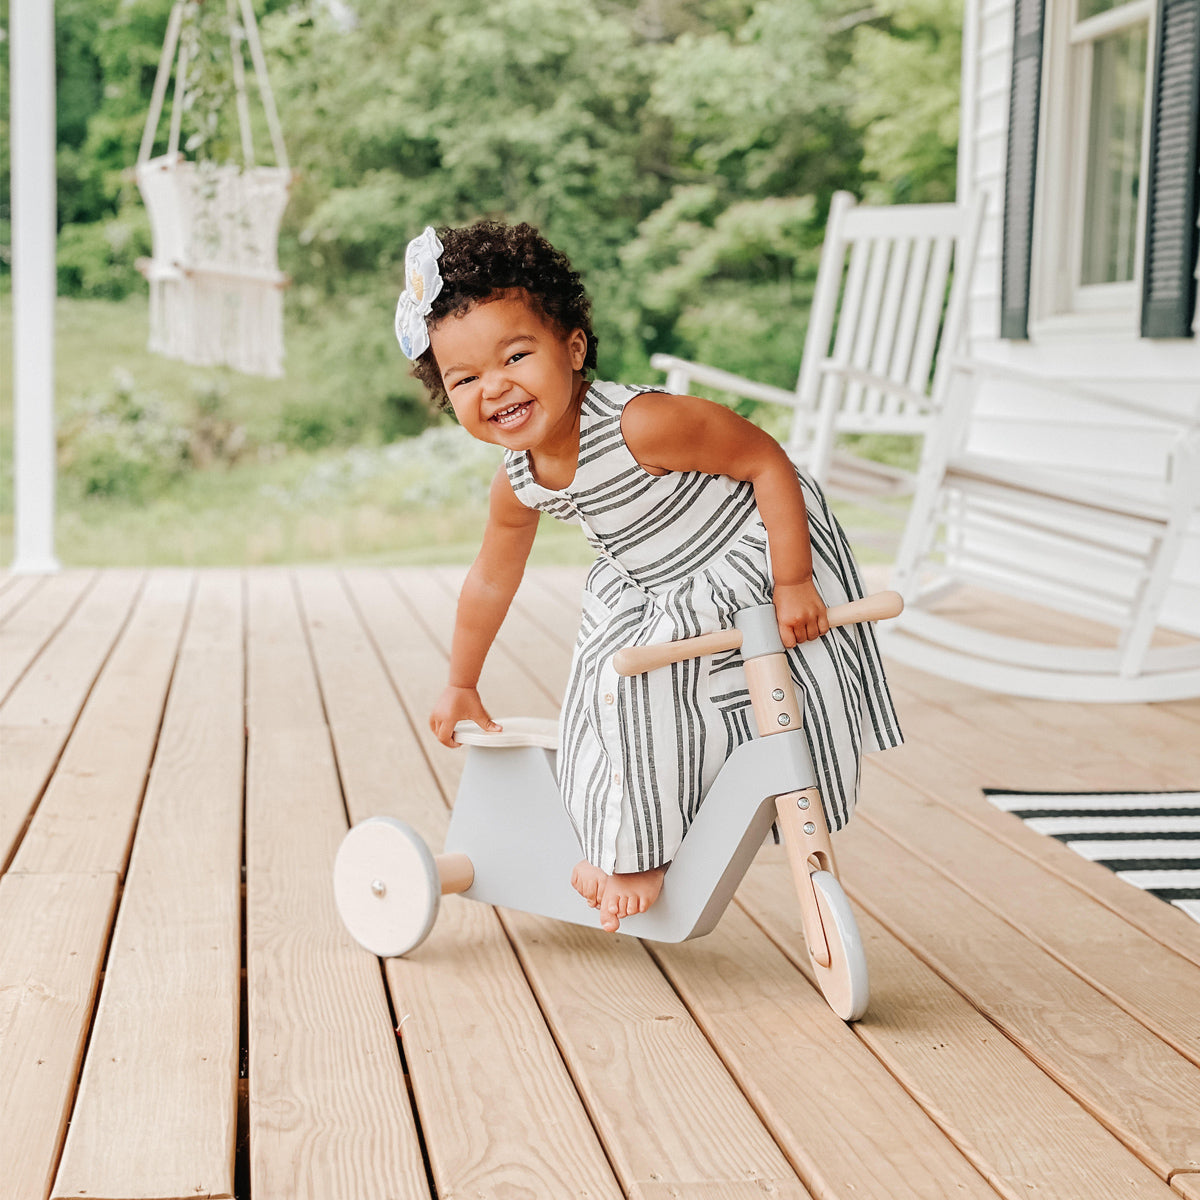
727 381
984 368
871 379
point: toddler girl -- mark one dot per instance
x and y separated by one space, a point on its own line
694 513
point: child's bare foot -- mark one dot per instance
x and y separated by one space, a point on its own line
589 882
627 894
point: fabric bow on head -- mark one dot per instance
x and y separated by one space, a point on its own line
422 282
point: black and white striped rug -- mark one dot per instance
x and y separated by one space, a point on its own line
1150 839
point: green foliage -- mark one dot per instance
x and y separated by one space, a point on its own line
125 443
528 109
906 77
763 107
121 443
98 259
682 152
357 386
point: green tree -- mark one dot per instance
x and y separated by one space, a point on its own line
682 152
906 73
760 137
524 109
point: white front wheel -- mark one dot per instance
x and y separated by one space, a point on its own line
385 882
844 982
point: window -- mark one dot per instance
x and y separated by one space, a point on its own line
1101 191
1114 154
1090 208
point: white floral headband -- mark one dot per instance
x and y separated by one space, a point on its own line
423 283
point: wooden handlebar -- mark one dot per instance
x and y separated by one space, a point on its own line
634 660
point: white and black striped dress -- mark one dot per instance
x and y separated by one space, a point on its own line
678 555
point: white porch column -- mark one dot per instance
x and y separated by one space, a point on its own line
34 282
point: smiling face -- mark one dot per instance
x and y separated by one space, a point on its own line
513 378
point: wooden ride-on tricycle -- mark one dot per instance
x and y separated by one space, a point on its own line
511 843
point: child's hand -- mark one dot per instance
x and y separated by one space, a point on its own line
459 704
801 612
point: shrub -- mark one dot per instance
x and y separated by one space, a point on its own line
120 443
97 260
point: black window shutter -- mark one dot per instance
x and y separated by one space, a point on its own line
1169 271
1024 103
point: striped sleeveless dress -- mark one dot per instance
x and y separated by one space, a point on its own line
679 554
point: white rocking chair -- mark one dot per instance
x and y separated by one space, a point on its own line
1099 545
881 313
216 291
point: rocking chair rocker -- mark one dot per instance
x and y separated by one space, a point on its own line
1090 544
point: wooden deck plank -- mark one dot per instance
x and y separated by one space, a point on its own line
565 583
664 1103
1091 749
823 1153
1058 763
950 761
996 1105
527 664
85 820
31 626
805 1070
667 1116
1149 981
16 591
53 932
779 1041
156 1113
1189 710
39 713
1138 1087
1147 734
329 1114
380 758
497 1108
1035 1080
418 665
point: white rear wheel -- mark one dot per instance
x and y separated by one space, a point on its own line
844 982
385 882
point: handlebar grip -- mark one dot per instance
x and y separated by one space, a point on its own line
879 606
634 660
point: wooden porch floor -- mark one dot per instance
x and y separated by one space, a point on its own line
182 1014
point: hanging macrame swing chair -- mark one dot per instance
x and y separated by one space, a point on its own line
216 291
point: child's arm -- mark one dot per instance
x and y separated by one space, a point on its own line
487 592
684 433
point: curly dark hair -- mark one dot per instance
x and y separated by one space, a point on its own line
490 257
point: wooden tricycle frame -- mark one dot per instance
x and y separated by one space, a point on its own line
511 843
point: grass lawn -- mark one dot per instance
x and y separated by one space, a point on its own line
420 500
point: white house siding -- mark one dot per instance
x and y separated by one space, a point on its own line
1038 426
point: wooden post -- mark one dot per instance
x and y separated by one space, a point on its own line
32 128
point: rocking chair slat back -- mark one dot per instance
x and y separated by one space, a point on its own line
891 287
